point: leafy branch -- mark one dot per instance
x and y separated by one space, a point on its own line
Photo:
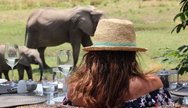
180 55
182 16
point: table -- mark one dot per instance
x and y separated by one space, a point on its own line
26 100
180 95
42 106
177 95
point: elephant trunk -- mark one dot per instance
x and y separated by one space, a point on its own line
41 67
41 71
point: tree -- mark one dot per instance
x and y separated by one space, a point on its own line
181 54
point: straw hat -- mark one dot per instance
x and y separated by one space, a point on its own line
114 35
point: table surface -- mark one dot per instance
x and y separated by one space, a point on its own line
180 96
37 93
42 106
181 91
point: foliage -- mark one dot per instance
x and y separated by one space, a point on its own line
180 55
183 16
182 52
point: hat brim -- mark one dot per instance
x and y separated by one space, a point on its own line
115 48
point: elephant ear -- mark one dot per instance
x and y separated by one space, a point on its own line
88 21
85 24
95 16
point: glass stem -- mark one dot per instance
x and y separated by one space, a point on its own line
12 74
60 75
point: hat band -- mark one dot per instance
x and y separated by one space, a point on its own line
114 44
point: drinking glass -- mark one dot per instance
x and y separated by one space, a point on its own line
50 87
65 61
12 56
65 64
57 77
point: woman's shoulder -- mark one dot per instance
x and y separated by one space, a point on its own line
154 81
141 86
150 81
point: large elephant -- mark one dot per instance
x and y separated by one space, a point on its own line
27 57
52 27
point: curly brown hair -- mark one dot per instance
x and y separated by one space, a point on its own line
105 73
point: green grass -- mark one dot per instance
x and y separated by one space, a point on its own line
153 22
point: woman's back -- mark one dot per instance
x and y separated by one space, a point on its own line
110 75
139 89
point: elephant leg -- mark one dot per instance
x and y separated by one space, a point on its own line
0 74
76 51
29 72
54 75
20 69
6 75
41 71
41 52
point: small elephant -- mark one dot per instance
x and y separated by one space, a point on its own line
52 27
27 57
